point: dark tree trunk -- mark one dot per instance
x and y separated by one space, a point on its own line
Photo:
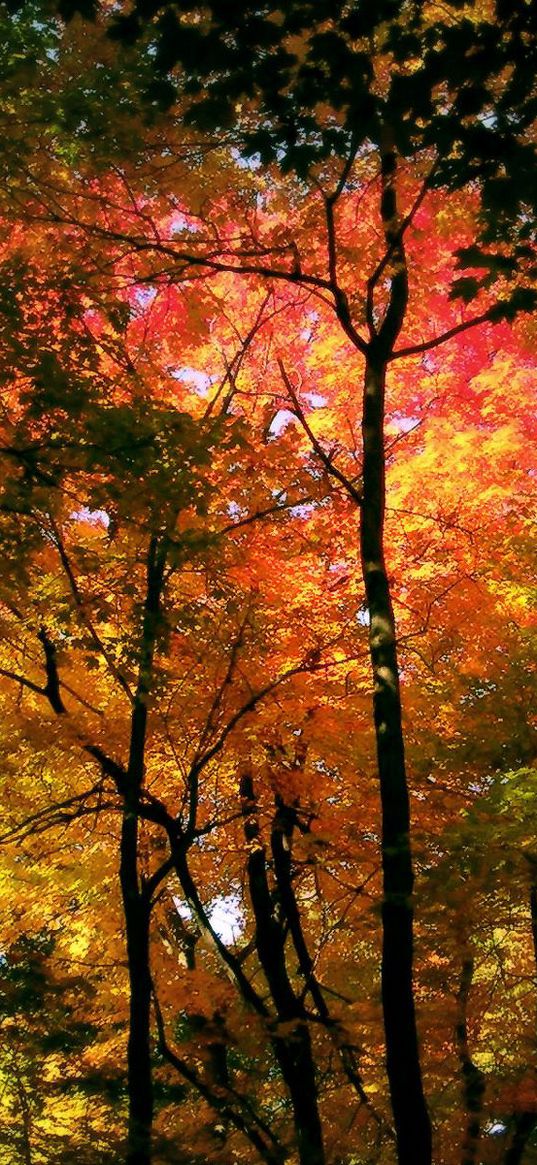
523 1126
295 1060
473 1081
293 1051
283 824
136 911
136 904
411 1118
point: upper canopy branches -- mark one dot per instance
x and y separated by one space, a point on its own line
305 81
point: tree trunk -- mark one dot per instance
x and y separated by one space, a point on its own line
411 1118
472 1078
293 1050
136 903
523 1126
136 911
295 1060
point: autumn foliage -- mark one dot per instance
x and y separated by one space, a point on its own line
267 447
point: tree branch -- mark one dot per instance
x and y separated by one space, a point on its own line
223 1098
81 608
415 349
332 469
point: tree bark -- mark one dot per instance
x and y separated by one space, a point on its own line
136 902
523 1126
137 918
472 1078
136 905
413 1130
293 1050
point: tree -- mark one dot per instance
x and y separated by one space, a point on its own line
400 84
111 437
252 233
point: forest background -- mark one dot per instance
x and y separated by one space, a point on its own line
267 631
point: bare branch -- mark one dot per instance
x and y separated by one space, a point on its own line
11 675
233 367
223 1098
332 469
58 813
82 610
415 349
230 961
305 666
210 723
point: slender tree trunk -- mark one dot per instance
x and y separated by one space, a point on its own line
293 1051
523 1126
295 1061
137 918
136 904
472 1078
411 1118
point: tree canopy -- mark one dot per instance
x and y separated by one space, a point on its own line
267 630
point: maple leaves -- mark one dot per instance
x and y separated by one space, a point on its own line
185 639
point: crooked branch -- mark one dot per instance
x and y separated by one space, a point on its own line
323 456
